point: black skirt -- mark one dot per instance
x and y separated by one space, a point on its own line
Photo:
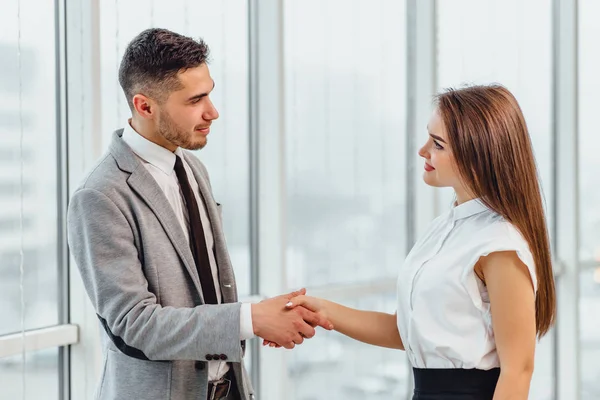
455 384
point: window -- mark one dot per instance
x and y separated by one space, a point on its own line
29 193
344 141
589 199
39 380
345 179
39 173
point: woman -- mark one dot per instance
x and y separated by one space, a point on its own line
477 288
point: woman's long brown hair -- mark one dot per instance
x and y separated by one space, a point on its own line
494 156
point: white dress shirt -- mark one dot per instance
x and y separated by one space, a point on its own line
160 163
444 315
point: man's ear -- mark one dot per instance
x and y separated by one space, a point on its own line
144 106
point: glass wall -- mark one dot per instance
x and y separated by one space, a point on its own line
589 199
507 42
345 108
39 379
29 192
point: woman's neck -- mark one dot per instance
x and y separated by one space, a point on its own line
462 196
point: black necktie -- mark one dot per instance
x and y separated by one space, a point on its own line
197 240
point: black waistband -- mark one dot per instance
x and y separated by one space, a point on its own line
456 381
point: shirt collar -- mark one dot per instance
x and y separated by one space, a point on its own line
150 152
467 209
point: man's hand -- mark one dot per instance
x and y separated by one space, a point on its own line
273 322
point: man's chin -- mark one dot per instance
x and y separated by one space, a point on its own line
196 146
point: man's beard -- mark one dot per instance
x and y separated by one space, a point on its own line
168 129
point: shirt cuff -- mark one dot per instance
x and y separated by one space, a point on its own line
246 328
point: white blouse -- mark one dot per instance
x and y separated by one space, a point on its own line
444 315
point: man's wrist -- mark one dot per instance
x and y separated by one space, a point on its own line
246 321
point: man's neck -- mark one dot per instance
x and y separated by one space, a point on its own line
152 136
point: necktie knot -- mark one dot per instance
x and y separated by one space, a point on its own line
178 165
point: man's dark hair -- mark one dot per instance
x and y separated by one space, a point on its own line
153 59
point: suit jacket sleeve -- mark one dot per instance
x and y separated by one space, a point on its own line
102 243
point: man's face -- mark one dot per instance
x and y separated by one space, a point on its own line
184 119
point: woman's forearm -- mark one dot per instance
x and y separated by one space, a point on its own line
513 385
376 328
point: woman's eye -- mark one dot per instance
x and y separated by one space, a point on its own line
437 145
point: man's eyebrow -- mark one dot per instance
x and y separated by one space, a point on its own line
201 95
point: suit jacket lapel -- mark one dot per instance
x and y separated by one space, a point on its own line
226 277
146 187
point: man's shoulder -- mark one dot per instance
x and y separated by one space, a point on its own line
105 176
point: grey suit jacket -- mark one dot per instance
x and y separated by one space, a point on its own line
139 272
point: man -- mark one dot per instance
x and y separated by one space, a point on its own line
147 236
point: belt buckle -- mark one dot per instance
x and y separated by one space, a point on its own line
215 384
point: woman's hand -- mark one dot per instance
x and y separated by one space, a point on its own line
313 304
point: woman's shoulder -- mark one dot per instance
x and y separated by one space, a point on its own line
503 236
495 231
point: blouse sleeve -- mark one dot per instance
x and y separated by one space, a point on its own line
501 237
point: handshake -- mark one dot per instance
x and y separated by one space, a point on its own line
286 320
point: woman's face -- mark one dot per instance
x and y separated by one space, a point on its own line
440 167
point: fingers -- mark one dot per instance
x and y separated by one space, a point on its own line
307 331
297 293
298 339
288 296
289 345
321 321
270 344
314 319
300 300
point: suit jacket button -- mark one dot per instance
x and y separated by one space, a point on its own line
216 357
209 357
223 357
200 365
